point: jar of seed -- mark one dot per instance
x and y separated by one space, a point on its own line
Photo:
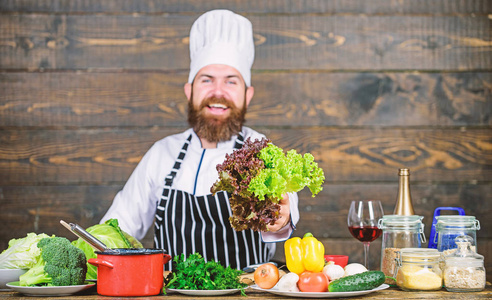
398 232
417 269
464 269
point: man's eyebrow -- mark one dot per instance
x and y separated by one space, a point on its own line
211 76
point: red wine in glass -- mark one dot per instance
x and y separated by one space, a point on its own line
365 233
362 221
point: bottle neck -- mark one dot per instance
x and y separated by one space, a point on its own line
404 205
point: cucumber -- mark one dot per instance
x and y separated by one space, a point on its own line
357 282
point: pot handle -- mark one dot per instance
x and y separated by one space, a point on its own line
100 262
167 258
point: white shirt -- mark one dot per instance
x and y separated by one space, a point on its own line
135 205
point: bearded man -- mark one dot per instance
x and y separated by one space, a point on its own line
170 187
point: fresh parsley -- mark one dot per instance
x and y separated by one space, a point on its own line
194 273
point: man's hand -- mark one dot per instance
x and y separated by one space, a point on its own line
284 218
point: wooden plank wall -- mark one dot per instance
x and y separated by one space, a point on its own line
366 86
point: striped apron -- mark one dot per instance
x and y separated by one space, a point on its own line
185 223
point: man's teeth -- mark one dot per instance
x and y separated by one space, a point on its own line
216 105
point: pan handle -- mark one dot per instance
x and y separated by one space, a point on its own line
167 258
100 262
83 234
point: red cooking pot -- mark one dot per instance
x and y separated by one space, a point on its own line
130 272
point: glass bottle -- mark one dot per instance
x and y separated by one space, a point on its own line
418 269
464 269
398 232
404 206
450 227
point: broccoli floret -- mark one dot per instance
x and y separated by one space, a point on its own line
60 264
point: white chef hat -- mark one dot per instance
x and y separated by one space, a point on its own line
222 37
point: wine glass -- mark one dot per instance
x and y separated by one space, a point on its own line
362 222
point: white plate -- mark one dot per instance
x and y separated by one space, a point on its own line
275 291
48 290
204 292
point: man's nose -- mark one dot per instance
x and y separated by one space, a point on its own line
218 90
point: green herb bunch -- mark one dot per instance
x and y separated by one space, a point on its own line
194 273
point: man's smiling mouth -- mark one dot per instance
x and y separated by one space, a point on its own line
217 108
217 105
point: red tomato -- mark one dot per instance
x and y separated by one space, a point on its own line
313 282
266 276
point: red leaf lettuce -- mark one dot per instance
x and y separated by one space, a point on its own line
257 175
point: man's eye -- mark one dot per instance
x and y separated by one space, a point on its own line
232 82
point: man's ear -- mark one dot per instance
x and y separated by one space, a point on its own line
250 91
187 90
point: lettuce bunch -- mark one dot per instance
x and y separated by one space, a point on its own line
257 175
22 253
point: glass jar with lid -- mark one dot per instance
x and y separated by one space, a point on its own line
450 227
418 269
464 269
398 232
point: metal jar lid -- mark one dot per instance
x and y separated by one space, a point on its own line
457 222
400 222
418 255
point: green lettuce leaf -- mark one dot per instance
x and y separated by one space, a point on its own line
286 173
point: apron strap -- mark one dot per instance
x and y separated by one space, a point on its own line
168 181
177 164
239 141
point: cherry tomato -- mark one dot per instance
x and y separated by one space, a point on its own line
313 282
266 276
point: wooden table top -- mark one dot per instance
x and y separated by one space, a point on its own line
390 293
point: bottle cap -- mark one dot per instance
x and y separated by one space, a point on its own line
404 172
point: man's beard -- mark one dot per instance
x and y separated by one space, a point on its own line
216 128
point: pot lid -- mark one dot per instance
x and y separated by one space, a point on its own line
131 251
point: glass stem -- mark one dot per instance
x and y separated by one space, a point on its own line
366 254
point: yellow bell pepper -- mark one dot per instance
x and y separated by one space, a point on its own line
306 254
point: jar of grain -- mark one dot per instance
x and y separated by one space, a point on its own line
464 269
450 227
398 232
418 269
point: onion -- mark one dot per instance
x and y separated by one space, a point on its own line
333 271
288 283
354 268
